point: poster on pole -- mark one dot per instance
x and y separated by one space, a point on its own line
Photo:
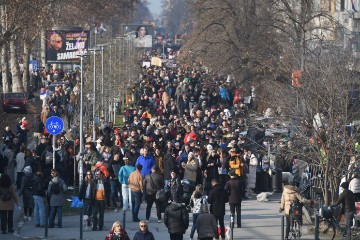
65 46
143 34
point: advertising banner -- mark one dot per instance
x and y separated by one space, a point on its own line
143 34
64 46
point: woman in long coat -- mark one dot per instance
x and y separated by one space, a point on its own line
7 206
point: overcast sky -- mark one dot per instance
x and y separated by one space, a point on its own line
155 7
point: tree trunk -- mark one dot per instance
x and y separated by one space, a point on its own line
4 69
25 79
17 85
42 47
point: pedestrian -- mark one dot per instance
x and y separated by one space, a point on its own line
176 218
169 165
347 199
27 193
38 196
55 192
153 183
7 199
196 201
147 161
20 164
123 178
143 233
206 225
117 232
136 185
38 128
217 198
116 193
98 199
85 195
191 168
234 190
175 185
237 164
8 135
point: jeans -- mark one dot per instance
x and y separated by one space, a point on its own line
150 199
193 228
176 236
115 189
87 207
39 210
136 198
6 219
99 207
220 220
349 220
126 196
237 207
53 211
166 184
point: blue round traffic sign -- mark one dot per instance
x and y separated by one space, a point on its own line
54 125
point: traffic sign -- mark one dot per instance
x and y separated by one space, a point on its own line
54 125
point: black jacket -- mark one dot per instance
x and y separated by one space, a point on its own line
82 192
153 183
347 200
143 236
217 198
38 126
93 188
169 165
176 218
206 226
234 189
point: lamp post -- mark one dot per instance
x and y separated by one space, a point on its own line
94 92
102 46
81 117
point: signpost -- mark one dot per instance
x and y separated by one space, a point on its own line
54 125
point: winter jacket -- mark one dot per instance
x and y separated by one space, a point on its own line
347 199
93 188
217 198
206 225
124 173
9 205
234 189
290 194
83 188
197 199
153 183
191 170
26 191
38 185
57 200
169 165
147 162
252 171
235 164
143 236
136 181
103 169
176 218
113 236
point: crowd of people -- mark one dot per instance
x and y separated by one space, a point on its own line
182 147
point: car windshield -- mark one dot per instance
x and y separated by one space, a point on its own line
14 95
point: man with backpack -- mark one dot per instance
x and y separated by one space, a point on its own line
55 192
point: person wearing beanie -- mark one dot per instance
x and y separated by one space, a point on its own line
136 185
26 192
347 200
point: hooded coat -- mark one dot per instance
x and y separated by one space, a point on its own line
26 188
176 218
290 194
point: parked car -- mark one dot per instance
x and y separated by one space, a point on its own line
15 101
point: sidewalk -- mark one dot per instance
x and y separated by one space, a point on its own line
260 220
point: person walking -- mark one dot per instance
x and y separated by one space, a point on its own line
38 192
85 195
153 183
143 233
136 185
55 191
7 199
206 225
217 198
117 232
196 201
347 199
234 189
20 164
147 161
116 193
26 192
123 178
98 199
176 219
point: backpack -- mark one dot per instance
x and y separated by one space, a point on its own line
55 188
5 194
49 157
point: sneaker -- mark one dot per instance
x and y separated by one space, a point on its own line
147 220
159 221
29 219
116 210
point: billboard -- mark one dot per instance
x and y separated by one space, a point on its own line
143 34
64 46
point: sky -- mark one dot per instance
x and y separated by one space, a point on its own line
155 7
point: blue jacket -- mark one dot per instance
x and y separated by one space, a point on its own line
147 162
124 173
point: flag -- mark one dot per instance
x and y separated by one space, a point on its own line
353 6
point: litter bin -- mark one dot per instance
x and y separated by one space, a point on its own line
277 180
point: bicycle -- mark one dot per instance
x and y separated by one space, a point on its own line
295 220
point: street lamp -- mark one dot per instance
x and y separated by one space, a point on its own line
93 50
102 46
81 117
